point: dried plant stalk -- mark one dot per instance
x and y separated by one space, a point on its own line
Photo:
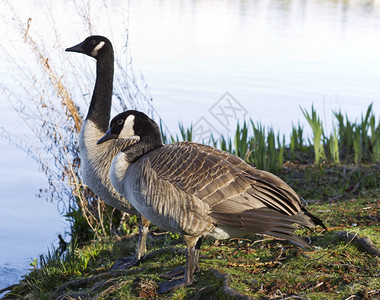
45 103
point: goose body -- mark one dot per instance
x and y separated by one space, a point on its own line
96 162
197 190
96 159
194 190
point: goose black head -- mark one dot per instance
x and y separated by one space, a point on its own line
135 125
93 46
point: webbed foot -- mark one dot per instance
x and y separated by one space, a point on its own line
177 273
165 287
192 255
125 263
130 261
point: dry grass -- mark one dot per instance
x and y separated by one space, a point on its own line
50 92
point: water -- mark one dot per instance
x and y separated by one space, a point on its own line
28 225
265 53
271 56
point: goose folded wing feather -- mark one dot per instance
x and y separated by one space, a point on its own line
167 205
222 185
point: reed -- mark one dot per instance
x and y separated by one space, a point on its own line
225 144
359 140
281 151
346 134
271 156
258 146
241 141
293 146
186 133
351 141
333 146
375 139
164 136
317 128
296 141
214 141
357 145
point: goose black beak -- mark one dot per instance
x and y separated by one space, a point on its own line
107 136
77 48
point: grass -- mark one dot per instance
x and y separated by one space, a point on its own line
261 267
343 186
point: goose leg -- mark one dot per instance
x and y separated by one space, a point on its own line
179 273
127 262
192 257
143 233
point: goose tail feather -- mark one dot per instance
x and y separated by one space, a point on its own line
270 222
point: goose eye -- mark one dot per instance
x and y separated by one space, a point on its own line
120 121
93 42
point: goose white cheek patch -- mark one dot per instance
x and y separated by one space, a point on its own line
127 130
97 48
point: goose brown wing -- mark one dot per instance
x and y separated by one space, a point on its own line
282 205
221 180
267 184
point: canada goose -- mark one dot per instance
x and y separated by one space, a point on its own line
196 190
96 159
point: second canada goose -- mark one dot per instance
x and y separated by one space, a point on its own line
96 159
196 190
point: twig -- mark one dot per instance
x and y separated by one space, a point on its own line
293 297
162 250
82 282
368 293
314 287
353 266
364 243
229 291
8 288
259 241
160 233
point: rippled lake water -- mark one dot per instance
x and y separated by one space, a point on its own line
271 56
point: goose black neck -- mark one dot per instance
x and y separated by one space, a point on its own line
100 106
141 148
